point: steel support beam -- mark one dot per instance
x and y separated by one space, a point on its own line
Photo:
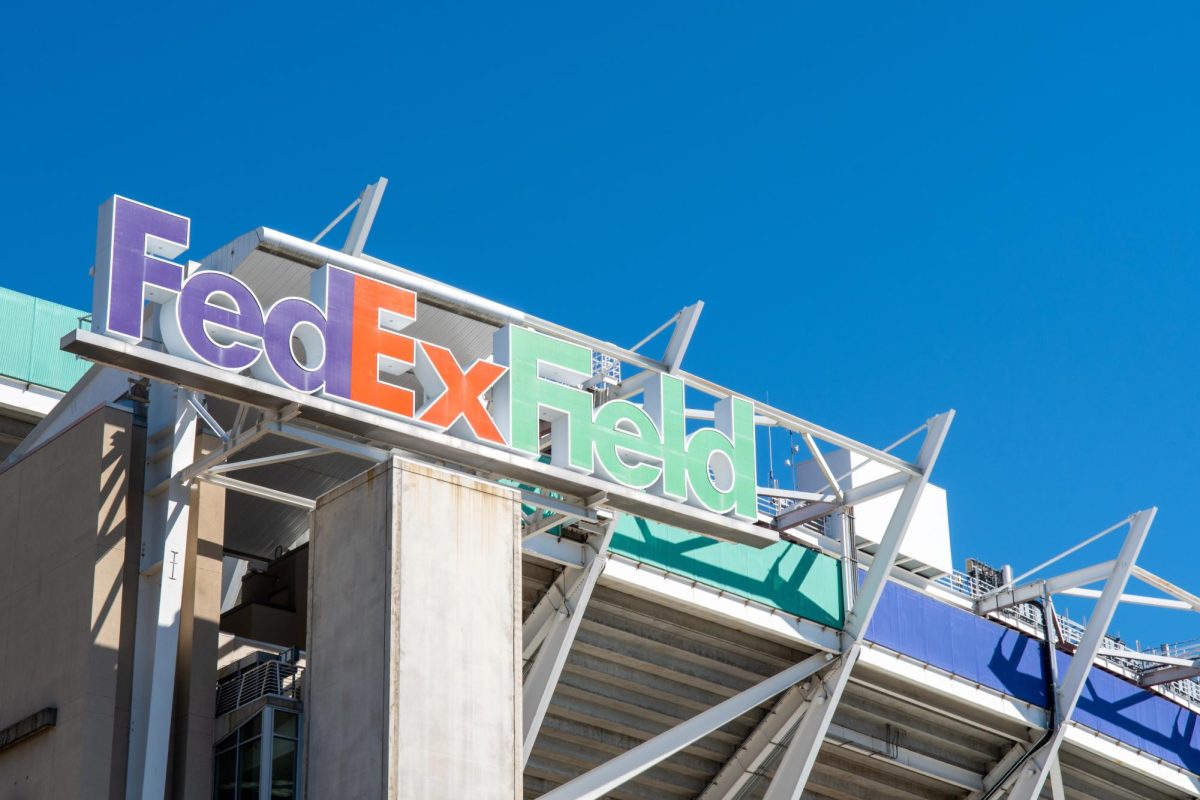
263 461
685 326
823 465
360 228
262 492
537 625
232 582
544 501
796 766
1157 658
202 411
632 763
751 758
339 444
160 589
562 512
802 514
1056 782
1035 590
1135 599
861 494
1032 776
1166 586
793 771
1157 677
550 631
998 772
538 525
556 550
239 442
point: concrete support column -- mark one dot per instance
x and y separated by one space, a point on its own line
414 680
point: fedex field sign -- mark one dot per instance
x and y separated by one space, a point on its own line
346 342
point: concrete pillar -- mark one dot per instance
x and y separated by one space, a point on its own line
414 680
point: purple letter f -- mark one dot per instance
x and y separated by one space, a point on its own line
133 244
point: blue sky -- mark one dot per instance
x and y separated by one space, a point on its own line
888 211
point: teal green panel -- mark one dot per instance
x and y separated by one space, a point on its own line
785 576
16 334
30 330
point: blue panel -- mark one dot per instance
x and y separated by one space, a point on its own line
991 654
960 643
1137 717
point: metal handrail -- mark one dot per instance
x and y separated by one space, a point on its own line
275 678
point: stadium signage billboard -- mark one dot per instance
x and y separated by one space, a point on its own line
347 343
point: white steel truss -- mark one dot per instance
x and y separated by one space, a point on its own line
797 763
549 632
1025 770
802 751
631 763
767 739
171 446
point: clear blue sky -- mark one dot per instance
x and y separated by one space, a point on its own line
889 212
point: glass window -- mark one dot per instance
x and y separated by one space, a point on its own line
285 724
226 780
283 768
240 756
248 766
252 728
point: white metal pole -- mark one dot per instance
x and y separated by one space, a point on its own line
164 549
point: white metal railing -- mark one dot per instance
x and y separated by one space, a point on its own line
1071 632
1189 649
274 677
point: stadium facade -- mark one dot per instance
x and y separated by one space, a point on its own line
291 521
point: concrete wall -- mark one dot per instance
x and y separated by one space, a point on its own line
69 534
413 685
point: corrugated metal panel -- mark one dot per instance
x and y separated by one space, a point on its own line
30 329
638 668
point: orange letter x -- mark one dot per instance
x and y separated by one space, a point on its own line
451 394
